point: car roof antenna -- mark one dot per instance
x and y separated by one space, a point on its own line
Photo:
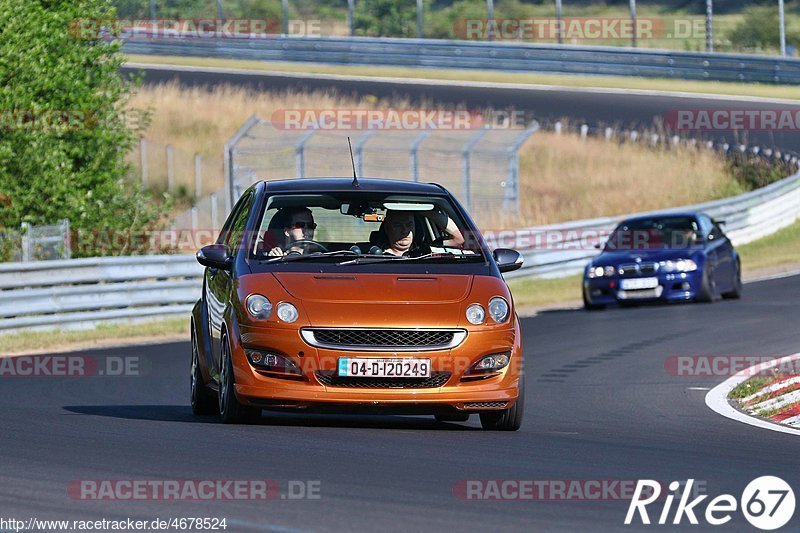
352 160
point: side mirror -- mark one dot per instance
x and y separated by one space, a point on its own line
215 256
507 259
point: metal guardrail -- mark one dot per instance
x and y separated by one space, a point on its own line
84 292
502 56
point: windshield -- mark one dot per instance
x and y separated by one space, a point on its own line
362 228
655 233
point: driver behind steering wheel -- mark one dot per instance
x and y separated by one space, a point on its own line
297 224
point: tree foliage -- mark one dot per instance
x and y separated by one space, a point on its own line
64 135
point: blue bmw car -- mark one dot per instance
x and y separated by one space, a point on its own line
671 257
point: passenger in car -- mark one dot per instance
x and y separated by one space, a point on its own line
397 235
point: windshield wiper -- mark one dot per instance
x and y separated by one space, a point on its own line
388 258
301 257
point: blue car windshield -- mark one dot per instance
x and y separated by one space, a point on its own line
657 233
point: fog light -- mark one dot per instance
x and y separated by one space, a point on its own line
686 286
490 363
272 362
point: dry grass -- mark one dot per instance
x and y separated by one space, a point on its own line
562 177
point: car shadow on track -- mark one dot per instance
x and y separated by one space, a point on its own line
183 413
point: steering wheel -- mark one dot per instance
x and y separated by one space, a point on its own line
305 244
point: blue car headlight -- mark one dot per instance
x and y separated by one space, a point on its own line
678 265
601 271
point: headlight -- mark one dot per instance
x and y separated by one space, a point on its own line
498 309
287 312
476 314
679 265
259 306
600 271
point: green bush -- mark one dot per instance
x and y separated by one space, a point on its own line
64 135
753 172
386 18
760 29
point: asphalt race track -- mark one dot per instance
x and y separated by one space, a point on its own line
600 406
598 109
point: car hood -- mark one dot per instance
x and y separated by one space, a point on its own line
375 288
379 299
630 256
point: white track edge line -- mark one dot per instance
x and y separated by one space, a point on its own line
717 398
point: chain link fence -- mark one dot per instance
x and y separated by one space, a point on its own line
480 166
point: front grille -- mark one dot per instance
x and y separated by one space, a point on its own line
330 379
632 270
383 339
485 405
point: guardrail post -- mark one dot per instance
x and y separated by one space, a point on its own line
559 29
557 127
67 238
198 176
782 22
350 19
143 159
490 16
709 26
285 17
300 153
466 152
220 14
26 242
194 219
414 153
609 133
584 131
170 169
633 22
214 213
420 32
153 10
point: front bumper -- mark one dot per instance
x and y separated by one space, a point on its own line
308 391
673 286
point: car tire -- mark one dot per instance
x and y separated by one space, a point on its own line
706 292
506 419
230 410
201 401
457 417
589 306
736 293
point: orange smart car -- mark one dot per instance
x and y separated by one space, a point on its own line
356 296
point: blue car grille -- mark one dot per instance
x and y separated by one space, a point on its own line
633 270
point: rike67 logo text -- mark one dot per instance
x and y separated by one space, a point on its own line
767 503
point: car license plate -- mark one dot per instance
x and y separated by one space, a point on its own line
384 368
644 293
638 284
